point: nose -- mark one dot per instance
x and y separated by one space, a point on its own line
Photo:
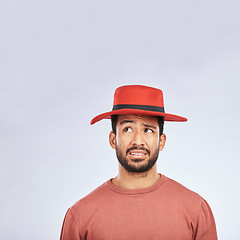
138 139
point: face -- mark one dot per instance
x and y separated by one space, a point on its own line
137 142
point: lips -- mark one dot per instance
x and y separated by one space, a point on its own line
137 152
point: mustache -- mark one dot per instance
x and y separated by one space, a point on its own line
138 148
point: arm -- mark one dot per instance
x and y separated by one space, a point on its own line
69 228
205 228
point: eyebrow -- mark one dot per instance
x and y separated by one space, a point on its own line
126 121
149 126
145 125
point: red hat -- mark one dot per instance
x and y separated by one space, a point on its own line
138 100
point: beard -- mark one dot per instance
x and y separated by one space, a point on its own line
138 167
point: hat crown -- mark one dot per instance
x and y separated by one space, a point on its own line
138 95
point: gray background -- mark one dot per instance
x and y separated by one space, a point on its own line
60 62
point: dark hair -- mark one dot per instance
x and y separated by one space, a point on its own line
114 119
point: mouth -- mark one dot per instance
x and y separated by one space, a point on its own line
138 154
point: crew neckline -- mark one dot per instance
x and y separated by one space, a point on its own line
125 191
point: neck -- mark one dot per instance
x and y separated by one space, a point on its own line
129 180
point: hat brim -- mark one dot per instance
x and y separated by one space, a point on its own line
167 116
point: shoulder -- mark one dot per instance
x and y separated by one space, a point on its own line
186 197
183 193
193 207
92 200
178 188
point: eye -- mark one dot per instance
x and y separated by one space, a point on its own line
127 129
148 130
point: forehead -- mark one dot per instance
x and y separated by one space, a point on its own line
138 118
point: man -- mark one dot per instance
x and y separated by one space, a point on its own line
139 203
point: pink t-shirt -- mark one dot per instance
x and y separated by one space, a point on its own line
164 211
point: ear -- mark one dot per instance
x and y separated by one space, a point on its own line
162 142
112 139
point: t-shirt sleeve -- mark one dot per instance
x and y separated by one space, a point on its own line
69 228
205 227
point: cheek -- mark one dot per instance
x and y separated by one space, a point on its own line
119 141
154 144
123 142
